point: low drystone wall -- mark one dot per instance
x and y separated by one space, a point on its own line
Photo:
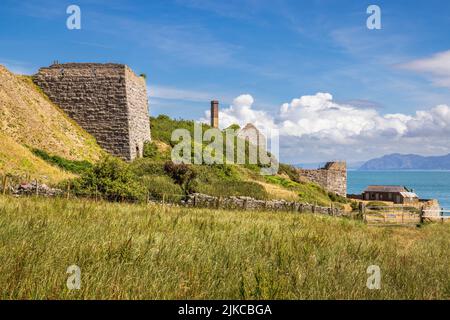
247 203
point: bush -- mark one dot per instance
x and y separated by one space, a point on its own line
337 198
68 165
150 150
182 174
354 205
112 179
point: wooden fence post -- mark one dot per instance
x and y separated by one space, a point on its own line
5 184
37 187
218 202
164 198
403 215
68 190
421 215
362 211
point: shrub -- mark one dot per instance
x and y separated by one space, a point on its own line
354 205
182 174
150 150
112 179
337 198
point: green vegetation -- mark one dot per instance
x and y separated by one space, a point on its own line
150 150
111 179
227 180
130 251
65 164
307 192
155 176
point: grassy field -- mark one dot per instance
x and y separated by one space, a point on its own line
152 252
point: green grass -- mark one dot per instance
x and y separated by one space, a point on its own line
228 180
153 252
307 192
73 166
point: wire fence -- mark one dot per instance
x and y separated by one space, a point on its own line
376 215
392 215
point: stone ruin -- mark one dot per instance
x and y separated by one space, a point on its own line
107 100
332 177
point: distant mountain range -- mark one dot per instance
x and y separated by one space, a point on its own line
317 165
408 162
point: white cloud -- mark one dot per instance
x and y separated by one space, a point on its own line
241 112
316 128
437 67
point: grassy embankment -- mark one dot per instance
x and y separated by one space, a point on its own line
28 120
154 252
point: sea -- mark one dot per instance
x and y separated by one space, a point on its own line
426 184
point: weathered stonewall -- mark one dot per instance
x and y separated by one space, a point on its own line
332 177
107 100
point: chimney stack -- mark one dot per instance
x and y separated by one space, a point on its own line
215 114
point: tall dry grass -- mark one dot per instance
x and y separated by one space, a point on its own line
154 252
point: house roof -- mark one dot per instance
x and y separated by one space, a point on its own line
409 195
385 189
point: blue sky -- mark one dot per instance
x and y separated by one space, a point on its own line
278 50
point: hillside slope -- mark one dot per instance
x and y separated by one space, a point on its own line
29 118
18 160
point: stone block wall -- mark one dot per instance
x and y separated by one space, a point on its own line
107 100
332 177
199 200
138 117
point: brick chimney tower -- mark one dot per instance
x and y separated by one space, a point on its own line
215 114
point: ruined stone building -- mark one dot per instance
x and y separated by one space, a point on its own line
108 100
332 177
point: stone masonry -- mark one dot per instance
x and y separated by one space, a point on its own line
332 177
108 100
